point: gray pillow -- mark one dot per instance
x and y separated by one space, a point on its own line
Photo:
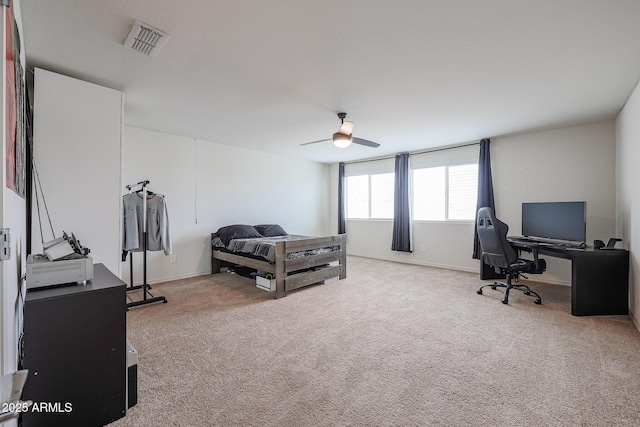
270 230
237 231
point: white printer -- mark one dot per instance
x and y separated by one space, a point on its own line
64 261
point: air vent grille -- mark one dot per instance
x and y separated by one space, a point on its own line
146 39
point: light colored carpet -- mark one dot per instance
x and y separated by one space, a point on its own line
391 345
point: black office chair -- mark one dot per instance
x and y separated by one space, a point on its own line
498 253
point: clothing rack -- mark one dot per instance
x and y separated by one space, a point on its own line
147 298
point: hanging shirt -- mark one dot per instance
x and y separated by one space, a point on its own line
158 236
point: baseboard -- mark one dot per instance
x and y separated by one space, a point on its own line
538 278
426 264
172 278
634 320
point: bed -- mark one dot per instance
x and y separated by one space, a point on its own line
293 261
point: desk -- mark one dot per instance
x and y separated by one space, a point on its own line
75 350
599 278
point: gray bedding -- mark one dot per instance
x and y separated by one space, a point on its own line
265 247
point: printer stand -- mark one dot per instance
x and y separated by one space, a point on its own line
75 351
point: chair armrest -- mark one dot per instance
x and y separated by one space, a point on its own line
535 252
539 264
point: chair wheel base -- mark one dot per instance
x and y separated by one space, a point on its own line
505 299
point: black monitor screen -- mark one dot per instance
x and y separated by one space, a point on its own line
555 220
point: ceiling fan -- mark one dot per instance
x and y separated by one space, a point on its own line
343 138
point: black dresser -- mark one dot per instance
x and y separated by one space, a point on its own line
75 350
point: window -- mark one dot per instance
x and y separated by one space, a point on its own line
358 196
463 192
429 197
370 196
445 193
444 187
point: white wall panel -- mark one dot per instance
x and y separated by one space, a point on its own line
628 178
77 152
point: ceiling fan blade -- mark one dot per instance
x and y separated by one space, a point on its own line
365 142
346 128
313 142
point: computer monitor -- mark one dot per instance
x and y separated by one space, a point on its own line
555 220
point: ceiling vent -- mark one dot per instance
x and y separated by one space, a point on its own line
146 39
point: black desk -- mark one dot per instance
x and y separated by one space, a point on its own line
75 350
599 278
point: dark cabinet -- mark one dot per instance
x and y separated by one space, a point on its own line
74 347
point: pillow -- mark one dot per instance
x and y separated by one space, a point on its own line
270 230
217 243
238 231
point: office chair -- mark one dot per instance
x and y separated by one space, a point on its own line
498 253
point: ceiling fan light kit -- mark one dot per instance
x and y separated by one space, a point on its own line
341 140
344 137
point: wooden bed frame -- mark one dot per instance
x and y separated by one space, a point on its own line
284 270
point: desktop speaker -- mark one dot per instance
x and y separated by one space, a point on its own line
611 244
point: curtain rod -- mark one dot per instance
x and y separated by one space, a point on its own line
412 153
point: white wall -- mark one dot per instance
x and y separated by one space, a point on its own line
569 164
446 244
628 177
13 216
209 185
77 136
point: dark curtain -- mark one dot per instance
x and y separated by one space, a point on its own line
485 190
401 209
341 213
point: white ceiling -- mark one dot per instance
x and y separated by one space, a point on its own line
412 74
